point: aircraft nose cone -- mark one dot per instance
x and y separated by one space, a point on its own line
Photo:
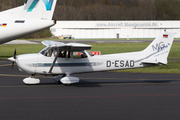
12 59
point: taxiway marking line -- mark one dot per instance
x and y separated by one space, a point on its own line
103 96
3 60
82 84
5 65
26 86
8 75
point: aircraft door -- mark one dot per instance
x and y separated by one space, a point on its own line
64 62
45 60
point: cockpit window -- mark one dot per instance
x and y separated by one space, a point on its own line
47 52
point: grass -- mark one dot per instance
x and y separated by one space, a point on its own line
56 39
8 50
130 47
172 67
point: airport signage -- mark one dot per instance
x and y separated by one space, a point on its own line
93 52
127 24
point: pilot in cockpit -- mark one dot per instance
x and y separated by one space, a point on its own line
60 54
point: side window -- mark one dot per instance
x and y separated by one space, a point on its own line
64 54
78 55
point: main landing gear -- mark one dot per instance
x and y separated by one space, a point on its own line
66 79
31 80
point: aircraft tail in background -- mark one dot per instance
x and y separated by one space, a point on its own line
38 9
33 16
32 9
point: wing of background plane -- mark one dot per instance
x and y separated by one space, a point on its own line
67 47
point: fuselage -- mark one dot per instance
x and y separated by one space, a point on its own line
40 64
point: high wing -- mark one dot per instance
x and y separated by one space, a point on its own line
68 46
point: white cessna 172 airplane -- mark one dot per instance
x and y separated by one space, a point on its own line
62 59
33 16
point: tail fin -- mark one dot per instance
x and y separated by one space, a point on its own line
158 51
32 9
38 9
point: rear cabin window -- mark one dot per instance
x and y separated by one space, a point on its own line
78 55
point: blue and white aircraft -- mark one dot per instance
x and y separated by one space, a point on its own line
62 59
33 16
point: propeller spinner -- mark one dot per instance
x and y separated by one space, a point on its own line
13 59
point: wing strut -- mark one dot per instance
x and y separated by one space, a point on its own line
52 66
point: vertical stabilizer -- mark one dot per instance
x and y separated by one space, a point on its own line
158 50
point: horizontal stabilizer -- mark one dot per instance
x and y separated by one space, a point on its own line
146 61
149 62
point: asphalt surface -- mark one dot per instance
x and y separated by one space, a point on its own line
98 96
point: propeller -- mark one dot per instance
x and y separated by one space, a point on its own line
14 59
14 54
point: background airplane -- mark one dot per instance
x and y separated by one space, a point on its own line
33 16
62 59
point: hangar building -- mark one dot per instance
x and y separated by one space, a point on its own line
113 29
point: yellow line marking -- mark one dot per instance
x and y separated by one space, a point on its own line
4 61
13 75
128 79
86 84
30 86
5 65
8 75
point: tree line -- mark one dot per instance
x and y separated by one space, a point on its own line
106 10
118 10
110 9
